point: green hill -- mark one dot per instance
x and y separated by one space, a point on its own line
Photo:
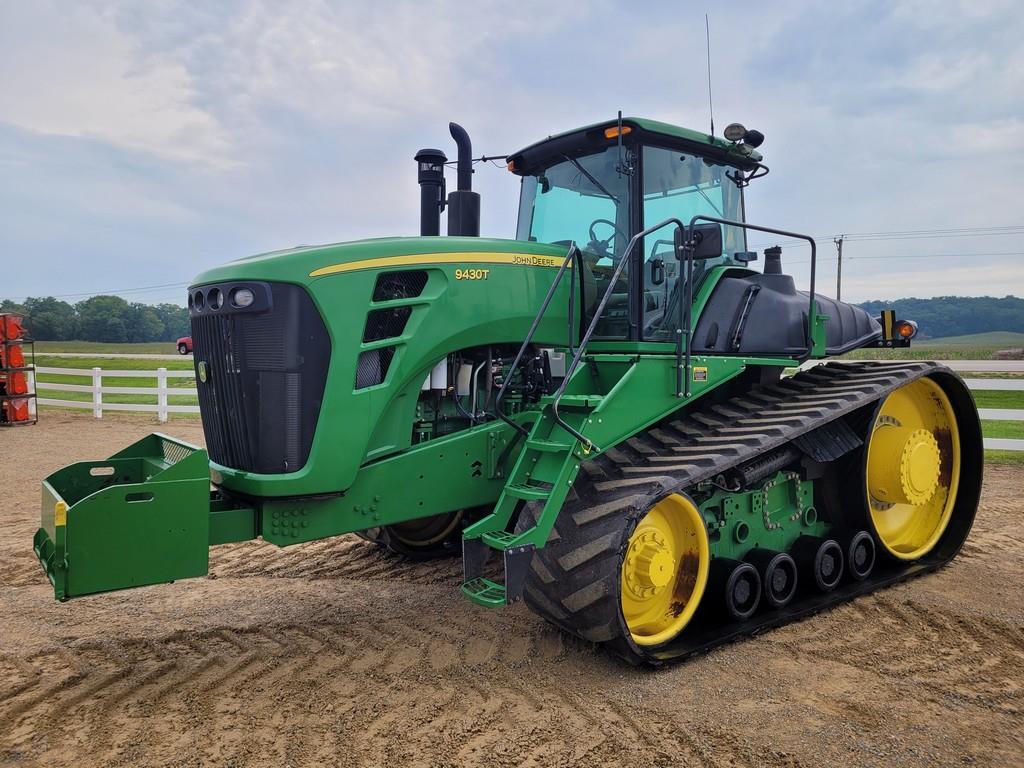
946 316
999 339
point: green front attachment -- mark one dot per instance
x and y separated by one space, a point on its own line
140 517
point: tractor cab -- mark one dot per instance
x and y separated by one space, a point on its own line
600 185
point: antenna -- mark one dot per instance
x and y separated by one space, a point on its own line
711 106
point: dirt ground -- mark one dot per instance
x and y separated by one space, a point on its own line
334 653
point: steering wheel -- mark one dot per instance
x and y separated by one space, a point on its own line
603 244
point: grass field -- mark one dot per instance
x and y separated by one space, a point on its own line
148 348
1009 429
1000 339
120 364
999 399
975 346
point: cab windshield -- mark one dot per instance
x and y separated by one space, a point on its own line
588 200
582 199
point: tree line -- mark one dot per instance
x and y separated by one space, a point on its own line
108 319
112 319
956 315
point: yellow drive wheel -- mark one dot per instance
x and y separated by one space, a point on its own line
664 571
913 468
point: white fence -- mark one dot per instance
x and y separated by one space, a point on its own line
162 409
97 389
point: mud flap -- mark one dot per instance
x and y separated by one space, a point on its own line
140 517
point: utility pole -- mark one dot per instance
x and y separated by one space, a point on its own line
839 269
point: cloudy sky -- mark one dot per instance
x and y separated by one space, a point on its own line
143 142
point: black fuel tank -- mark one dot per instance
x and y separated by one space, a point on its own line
755 314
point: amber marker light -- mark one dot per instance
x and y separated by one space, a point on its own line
906 329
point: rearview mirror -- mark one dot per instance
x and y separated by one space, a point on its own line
707 242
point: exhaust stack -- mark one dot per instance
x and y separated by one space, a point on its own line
463 203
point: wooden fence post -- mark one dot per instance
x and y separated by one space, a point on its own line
32 408
97 393
161 394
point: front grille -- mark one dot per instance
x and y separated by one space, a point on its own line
261 375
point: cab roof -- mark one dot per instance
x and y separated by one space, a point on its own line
585 140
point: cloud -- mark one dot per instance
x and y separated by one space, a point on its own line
941 280
70 72
165 137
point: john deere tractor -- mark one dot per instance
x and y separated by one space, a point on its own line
612 417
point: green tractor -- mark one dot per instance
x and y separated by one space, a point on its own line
601 416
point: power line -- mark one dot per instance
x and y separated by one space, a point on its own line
900 257
938 255
919 234
1014 229
109 292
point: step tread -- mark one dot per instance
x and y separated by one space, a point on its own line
527 492
485 592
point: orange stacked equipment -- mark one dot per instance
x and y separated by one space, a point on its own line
16 393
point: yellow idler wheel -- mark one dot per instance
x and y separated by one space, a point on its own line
913 468
664 571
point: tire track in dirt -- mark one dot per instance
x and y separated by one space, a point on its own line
131 694
96 674
21 569
336 558
377 676
978 659
984 543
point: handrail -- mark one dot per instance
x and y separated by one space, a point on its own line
587 443
570 258
684 333
682 367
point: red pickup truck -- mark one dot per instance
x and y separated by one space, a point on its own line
185 345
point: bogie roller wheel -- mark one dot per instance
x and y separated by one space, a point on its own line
422 539
820 561
735 590
629 578
912 469
778 574
860 555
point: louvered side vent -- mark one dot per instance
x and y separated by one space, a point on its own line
386 323
399 285
372 367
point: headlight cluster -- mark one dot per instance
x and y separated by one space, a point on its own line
228 298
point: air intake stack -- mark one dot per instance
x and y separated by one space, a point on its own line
430 175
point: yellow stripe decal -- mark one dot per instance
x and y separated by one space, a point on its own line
60 514
515 259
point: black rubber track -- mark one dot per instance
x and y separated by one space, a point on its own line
574 579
